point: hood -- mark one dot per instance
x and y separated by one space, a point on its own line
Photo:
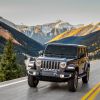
53 58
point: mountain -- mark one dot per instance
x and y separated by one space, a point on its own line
45 32
42 33
81 31
22 43
7 22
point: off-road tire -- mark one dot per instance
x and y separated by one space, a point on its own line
73 82
32 81
85 79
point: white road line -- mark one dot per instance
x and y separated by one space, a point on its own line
5 85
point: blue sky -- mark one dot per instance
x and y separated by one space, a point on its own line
32 12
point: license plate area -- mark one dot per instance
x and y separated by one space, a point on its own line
49 73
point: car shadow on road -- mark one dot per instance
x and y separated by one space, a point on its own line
64 86
60 87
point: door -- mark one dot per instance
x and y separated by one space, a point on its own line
82 60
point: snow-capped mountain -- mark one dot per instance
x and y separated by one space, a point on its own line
41 33
57 26
45 32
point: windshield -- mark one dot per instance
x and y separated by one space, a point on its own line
61 50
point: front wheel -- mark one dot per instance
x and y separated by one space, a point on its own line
32 81
85 79
73 83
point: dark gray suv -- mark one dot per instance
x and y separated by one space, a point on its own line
60 63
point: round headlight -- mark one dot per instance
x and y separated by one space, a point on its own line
63 65
38 62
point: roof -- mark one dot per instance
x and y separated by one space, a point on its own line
76 45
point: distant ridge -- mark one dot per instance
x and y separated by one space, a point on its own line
81 31
28 45
7 22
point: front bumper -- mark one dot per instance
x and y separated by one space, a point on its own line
52 76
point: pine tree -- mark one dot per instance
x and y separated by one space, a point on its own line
8 67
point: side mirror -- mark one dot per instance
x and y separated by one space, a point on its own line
41 52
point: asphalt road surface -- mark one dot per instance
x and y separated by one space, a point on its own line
19 90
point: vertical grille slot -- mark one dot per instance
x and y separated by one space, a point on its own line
50 65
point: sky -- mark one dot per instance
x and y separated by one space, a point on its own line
33 12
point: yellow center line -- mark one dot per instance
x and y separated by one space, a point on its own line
92 93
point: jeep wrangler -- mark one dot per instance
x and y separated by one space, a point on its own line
60 63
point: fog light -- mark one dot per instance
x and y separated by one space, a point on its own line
61 76
34 73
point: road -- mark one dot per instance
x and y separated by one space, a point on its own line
19 90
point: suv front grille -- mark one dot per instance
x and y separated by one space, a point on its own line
50 65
